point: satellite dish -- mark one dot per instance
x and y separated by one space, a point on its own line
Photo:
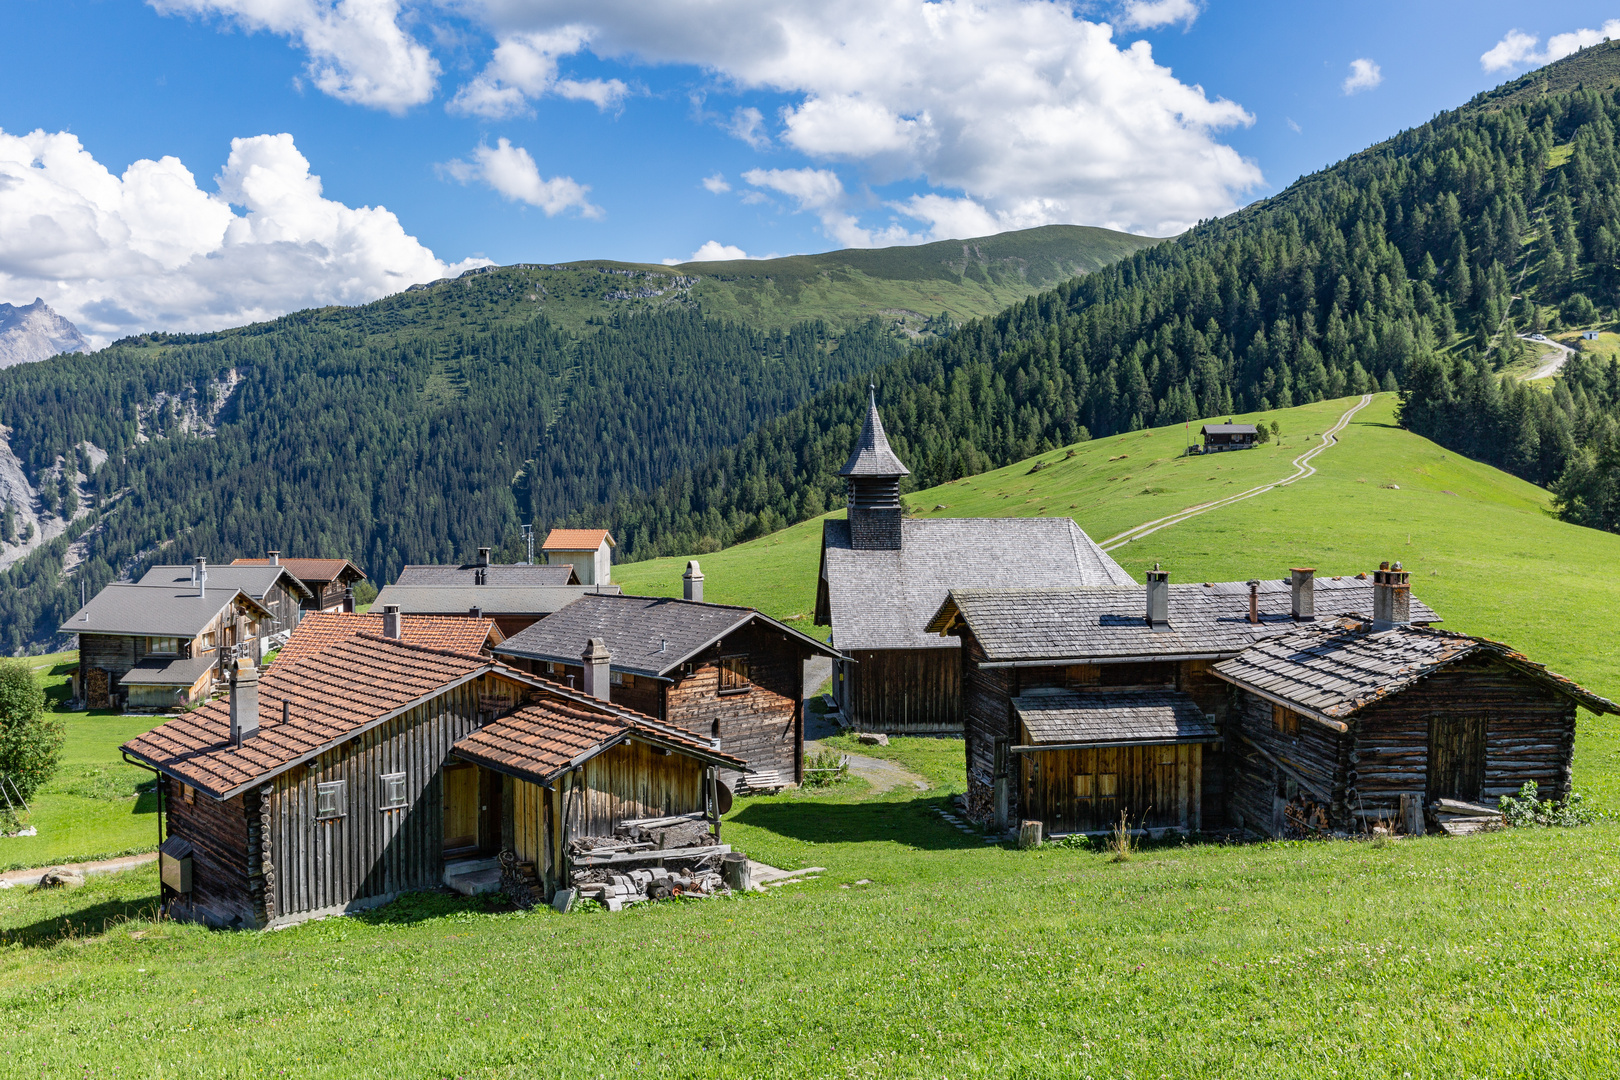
723 793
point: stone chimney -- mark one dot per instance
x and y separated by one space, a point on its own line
1158 599
483 556
1303 581
275 557
244 701
1392 597
1254 601
598 680
199 574
475 612
348 599
391 620
692 582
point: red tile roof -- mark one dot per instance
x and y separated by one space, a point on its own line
310 569
318 630
332 695
576 540
553 732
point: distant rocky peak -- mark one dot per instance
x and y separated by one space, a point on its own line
35 332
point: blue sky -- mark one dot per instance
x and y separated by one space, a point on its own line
545 130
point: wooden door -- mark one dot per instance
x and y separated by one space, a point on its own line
1456 757
461 810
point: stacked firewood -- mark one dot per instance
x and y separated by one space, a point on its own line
1303 818
615 890
519 881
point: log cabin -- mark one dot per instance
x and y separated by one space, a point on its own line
330 582
276 588
730 673
1085 704
1366 721
883 576
377 767
1229 436
157 646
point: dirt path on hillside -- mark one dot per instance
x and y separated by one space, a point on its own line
1553 366
1302 469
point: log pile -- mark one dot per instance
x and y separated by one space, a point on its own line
1458 818
649 859
519 881
615 891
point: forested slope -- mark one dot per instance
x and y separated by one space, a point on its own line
1403 259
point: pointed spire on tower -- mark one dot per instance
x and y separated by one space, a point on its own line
872 456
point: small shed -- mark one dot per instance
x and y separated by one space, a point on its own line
589 551
1228 436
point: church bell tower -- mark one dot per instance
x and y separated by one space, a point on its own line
873 474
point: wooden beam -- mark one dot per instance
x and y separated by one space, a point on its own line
1298 778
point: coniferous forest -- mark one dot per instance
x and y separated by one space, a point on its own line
419 427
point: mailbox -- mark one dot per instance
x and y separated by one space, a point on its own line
174 864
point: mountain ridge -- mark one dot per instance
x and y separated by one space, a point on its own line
34 332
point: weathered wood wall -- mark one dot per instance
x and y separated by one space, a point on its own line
1087 790
221 893
763 724
634 780
369 853
987 717
902 691
1268 766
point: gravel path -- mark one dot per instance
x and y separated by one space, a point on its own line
1554 365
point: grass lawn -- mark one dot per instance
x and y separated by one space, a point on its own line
91 809
1436 958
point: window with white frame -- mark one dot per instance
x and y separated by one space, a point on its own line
329 800
393 796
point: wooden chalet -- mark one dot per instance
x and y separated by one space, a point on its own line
1229 436
155 646
883 576
330 582
1083 704
729 673
514 595
321 629
375 767
276 589
588 551
1341 726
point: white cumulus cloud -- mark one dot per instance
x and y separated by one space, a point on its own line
511 171
821 192
716 184
1364 75
357 50
1519 48
1149 14
151 250
1024 109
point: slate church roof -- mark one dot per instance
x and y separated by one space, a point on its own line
872 456
884 599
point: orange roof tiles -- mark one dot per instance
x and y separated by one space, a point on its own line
318 630
576 540
547 736
309 569
346 687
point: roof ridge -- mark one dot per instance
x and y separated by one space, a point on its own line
403 644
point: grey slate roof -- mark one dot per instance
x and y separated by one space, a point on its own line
493 599
1335 671
129 610
645 635
497 574
1113 717
182 672
1227 429
884 599
872 456
256 581
1082 625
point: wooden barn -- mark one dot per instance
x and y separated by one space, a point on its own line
588 551
883 576
1341 726
156 646
339 782
277 590
330 582
514 595
1229 436
729 673
1082 704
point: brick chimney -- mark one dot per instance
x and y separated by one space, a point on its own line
598 680
244 701
1392 597
1303 581
199 574
391 620
275 557
692 582
1158 598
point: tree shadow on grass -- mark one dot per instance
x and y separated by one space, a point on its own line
906 821
86 922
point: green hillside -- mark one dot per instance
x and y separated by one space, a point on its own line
1484 547
1593 68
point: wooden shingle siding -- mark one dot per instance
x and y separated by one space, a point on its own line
368 854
